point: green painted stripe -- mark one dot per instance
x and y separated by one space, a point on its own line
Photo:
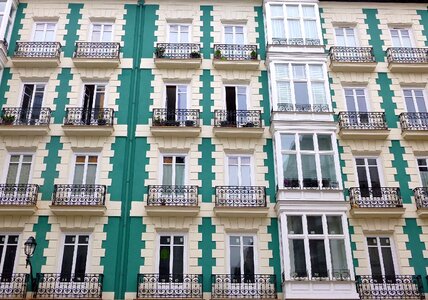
140 175
116 175
342 165
273 245
264 92
146 87
111 272
387 104
206 39
134 259
124 90
149 39
400 165
424 22
207 101
206 175
270 175
17 26
323 30
62 100
261 40
353 247
4 85
72 27
41 228
207 262
51 161
375 33
128 39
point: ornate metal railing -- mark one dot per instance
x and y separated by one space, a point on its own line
362 120
31 116
178 50
352 54
169 286
54 285
407 55
178 117
325 184
235 52
381 197
303 107
414 121
390 287
172 195
79 194
337 275
18 194
37 49
295 42
240 196
250 286
96 116
13 286
421 197
106 50
239 118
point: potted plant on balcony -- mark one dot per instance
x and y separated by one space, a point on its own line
172 123
195 54
189 123
217 54
8 119
101 120
225 124
253 55
160 52
157 121
248 124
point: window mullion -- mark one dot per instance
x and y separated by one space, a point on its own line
317 160
298 159
301 22
285 21
327 247
73 261
3 253
306 245
379 249
292 91
309 86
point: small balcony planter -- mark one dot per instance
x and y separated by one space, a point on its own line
248 124
171 123
253 55
102 122
195 54
189 123
8 120
160 52
157 122
217 54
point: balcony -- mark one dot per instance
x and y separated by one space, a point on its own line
401 287
310 189
407 59
362 125
414 125
96 55
79 199
179 122
68 286
376 202
248 286
421 199
240 201
236 57
37 54
169 286
172 200
18 199
301 45
178 55
348 59
20 121
79 121
13 286
238 124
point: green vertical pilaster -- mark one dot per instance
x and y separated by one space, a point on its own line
62 100
206 39
116 175
273 245
128 39
111 271
134 259
146 87
207 91
353 246
206 175
51 161
417 249
424 22
149 39
375 33
4 85
261 41
207 262
17 25
387 104
323 31
41 228
270 175
139 164
400 165
264 92
122 115
72 27
342 165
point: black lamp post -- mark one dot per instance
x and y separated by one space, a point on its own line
29 247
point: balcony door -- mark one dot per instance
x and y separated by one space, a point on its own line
74 258
31 104
85 173
345 37
234 34
356 101
18 173
401 37
241 259
381 259
423 171
44 32
236 105
368 177
179 33
176 102
239 170
8 248
171 258
416 107
93 103
173 170
102 32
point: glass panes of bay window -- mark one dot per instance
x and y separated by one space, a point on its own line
338 258
334 224
297 258
423 171
318 258
314 224
2 9
294 224
277 17
19 169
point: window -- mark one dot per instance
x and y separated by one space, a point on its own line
368 177
236 105
179 33
102 33
295 23
19 169
415 100
94 100
32 101
239 170
316 245
308 161
85 169
173 170
345 37
171 258
176 99
423 170
74 258
8 248
44 32
401 37
234 34
241 258
381 259
8 12
356 101
301 87
2 9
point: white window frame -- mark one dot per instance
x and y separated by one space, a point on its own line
223 32
255 249
33 35
174 155
413 89
21 154
393 252
409 30
168 36
11 6
103 24
82 93
346 36
185 249
239 156
188 88
236 86
86 154
88 254
354 95
18 248
379 169
418 166
35 84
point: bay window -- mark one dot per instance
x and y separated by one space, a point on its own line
308 161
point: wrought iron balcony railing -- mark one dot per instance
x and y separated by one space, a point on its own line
74 286
18 194
240 196
295 42
362 120
239 118
37 50
178 50
31 116
79 194
421 197
337 275
352 54
89 117
303 107
324 184
390 287
381 197
13 286
179 286
249 286
235 52
178 117
172 195
407 55
105 50
414 121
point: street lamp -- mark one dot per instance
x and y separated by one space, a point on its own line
29 247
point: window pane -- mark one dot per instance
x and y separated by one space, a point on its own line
12 173
338 255
297 258
301 92
25 173
167 175
388 263
316 72
281 71
235 262
164 257
318 259
318 93
292 11
278 29
294 28
80 267
308 11
9 260
67 262
178 264
299 72
233 175
288 142
334 224
294 224
309 171
276 11
179 175
314 224
248 260
91 173
78 174
284 92
306 142
375 261
324 142
291 177
311 31
328 171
